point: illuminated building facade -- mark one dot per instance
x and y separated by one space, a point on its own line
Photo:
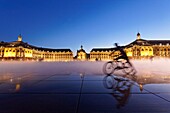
19 50
140 48
81 54
137 49
97 54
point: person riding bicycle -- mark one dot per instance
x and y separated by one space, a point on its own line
123 54
125 65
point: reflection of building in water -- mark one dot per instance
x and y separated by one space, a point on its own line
153 79
143 80
19 50
5 76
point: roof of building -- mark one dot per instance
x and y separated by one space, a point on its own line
81 50
26 45
102 49
142 42
157 42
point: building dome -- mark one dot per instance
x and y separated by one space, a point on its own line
81 49
138 36
19 38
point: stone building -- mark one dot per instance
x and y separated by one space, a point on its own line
140 48
81 54
101 54
19 50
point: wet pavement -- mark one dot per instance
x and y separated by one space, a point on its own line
81 93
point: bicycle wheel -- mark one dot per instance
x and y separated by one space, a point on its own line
109 82
123 84
108 68
127 68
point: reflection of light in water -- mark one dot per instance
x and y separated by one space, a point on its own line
5 76
17 87
19 78
141 87
11 80
81 75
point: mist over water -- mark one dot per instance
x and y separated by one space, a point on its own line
159 66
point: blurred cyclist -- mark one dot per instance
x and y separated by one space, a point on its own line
123 54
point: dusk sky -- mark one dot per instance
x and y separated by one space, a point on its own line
91 23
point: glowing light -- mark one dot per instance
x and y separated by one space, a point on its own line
11 80
17 87
81 75
141 87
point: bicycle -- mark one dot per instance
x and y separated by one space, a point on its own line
111 66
